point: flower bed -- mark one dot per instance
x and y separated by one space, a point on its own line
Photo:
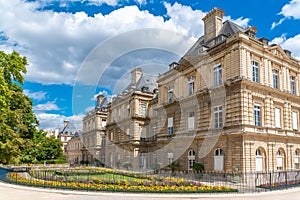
279 184
140 183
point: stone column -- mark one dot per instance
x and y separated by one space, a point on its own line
289 156
249 156
271 158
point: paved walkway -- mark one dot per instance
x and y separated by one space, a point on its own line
14 192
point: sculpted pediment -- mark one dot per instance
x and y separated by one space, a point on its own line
278 51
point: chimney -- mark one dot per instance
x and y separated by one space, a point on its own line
66 122
136 75
100 98
213 23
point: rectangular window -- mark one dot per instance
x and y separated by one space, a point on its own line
170 126
296 161
170 94
103 123
295 120
103 142
292 84
128 110
277 118
191 121
255 72
218 118
111 136
191 85
275 79
143 109
170 157
257 115
128 134
154 132
218 75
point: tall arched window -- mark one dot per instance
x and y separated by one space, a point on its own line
280 159
191 159
296 159
259 156
219 160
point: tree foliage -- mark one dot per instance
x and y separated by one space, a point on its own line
20 141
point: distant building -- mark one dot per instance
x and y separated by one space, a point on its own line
51 132
128 122
66 134
74 150
93 133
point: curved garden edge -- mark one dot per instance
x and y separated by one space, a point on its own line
151 195
139 184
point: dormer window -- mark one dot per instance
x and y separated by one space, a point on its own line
219 39
173 65
251 31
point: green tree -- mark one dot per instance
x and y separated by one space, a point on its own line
20 141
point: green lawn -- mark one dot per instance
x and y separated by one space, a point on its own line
105 176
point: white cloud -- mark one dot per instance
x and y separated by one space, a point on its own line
279 40
241 21
291 9
292 44
64 3
275 24
53 121
35 95
46 107
88 109
56 44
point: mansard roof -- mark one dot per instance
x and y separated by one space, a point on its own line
68 128
228 28
146 83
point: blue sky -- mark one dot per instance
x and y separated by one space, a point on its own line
79 48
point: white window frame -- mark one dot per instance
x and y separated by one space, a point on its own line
191 159
143 107
259 160
279 160
128 134
218 116
275 78
170 157
170 94
292 85
143 160
277 118
170 126
296 159
128 110
191 85
217 74
257 114
191 121
295 120
103 123
219 160
255 71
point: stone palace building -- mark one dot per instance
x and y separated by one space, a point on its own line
232 102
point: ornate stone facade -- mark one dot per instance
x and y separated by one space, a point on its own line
232 103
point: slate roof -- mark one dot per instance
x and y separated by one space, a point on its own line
69 129
228 28
146 83
103 104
